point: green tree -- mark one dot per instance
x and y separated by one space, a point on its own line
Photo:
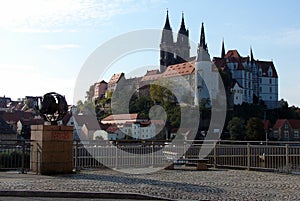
236 128
255 129
90 93
161 93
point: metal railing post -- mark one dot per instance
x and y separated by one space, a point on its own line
23 157
76 156
248 156
215 156
287 155
152 154
116 165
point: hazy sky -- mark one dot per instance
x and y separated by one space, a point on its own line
44 44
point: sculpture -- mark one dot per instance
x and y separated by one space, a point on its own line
53 107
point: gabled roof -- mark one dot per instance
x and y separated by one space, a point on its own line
294 123
89 120
232 56
109 128
234 82
265 65
115 78
279 123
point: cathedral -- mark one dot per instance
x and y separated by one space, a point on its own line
174 52
248 80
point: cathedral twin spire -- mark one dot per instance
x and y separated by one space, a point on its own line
174 52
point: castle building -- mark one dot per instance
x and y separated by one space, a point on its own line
253 81
248 80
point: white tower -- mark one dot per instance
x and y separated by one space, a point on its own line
202 66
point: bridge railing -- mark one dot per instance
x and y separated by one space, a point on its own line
273 156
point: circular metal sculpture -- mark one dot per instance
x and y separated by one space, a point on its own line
53 107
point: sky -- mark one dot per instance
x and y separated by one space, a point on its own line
45 44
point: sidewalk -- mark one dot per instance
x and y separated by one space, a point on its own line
165 184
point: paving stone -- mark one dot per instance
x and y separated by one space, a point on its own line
172 184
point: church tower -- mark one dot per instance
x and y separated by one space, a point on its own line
203 70
167 46
182 44
223 49
202 44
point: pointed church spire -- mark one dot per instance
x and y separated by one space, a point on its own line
202 38
223 49
251 55
182 29
167 24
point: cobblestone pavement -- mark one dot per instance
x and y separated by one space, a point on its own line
172 184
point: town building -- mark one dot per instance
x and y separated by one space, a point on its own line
287 130
100 89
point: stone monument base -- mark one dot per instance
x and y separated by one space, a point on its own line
51 149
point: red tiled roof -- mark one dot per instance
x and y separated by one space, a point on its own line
115 78
279 123
121 117
89 120
232 56
185 68
294 123
265 65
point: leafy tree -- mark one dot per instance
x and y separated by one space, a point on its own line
90 93
140 105
161 93
236 128
255 129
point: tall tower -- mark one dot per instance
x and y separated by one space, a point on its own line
202 43
166 46
202 69
182 44
223 49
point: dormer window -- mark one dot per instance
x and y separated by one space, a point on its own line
259 72
270 72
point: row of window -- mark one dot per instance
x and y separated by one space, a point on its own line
287 134
269 72
270 89
270 80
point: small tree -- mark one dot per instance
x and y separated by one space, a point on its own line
236 128
255 129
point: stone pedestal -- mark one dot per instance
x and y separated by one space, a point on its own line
51 149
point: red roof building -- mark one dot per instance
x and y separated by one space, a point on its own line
287 129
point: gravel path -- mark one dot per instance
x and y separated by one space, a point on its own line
172 184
